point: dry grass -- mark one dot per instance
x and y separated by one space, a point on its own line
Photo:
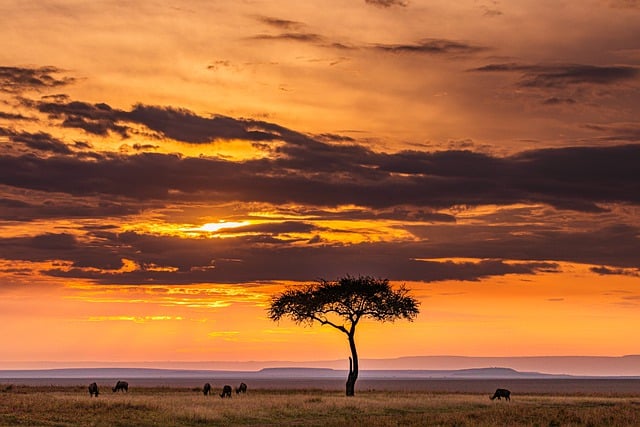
72 406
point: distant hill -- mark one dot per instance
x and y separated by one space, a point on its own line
497 373
567 365
436 365
271 373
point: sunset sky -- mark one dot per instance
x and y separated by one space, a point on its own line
167 167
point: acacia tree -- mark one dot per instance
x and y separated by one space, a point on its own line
342 304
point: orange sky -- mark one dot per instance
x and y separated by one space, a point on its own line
166 169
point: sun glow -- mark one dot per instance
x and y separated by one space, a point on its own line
217 226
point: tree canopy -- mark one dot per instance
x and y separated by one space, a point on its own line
342 304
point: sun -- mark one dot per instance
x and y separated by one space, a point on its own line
217 226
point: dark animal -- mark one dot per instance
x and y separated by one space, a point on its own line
206 389
242 388
226 391
121 386
501 392
93 390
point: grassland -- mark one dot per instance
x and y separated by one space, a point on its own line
164 406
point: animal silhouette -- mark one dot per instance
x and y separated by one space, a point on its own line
242 388
226 391
501 392
206 389
121 386
93 390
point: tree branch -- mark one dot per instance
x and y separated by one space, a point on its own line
327 322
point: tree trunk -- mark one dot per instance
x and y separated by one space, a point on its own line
353 367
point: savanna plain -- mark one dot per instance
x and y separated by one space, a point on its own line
56 405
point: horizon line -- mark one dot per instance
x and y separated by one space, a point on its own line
320 360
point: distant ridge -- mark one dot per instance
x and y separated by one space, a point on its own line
567 365
272 373
605 366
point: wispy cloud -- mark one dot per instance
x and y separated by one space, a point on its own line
14 116
284 24
296 37
40 141
97 119
434 47
554 100
17 79
624 4
387 3
617 131
563 75
603 270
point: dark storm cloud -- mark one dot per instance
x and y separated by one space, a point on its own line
330 137
37 141
179 124
101 252
146 176
51 241
279 267
13 116
563 75
602 270
145 147
97 119
396 213
433 47
574 178
386 3
615 246
581 173
559 101
60 247
39 207
183 125
327 171
17 79
310 172
240 260
273 228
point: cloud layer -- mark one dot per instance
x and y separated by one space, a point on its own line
373 137
325 179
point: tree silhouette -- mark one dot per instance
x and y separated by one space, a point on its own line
342 304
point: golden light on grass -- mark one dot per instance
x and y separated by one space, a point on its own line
183 406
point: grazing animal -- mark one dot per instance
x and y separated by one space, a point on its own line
93 390
226 391
206 389
242 388
501 392
121 386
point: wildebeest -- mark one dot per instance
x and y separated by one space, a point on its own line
501 392
226 391
206 389
121 386
242 388
93 390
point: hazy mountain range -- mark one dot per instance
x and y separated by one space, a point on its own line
403 367
273 373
